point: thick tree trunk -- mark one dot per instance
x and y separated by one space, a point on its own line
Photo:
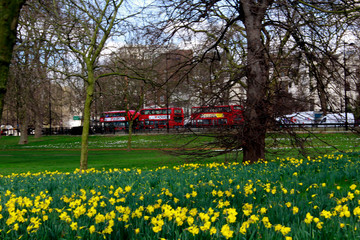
257 72
24 129
9 14
38 125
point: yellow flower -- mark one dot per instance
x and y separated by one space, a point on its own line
16 226
285 230
356 211
157 229
247 209
243 230
190 220
74 226
319 225
194 230
193 212
266 222
220 193
212 231
137 231
278 227
326 214
288 204
308 218
127 189
92 229
226 231
112 201
263 210
99 218
253 219
295 210
206 226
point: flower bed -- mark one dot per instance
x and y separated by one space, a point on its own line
282 199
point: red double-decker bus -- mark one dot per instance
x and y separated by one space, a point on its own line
215 116
151 118
118 120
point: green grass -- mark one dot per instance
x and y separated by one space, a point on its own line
68 160
62 153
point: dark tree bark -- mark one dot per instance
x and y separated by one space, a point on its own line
24 124
256 113
9 15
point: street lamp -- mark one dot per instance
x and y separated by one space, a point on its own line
346 86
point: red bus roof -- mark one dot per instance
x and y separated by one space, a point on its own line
217 106
118 111
161 108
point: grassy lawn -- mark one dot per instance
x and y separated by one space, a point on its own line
62 153
17 161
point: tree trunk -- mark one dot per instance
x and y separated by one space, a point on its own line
257 72
38 125
321 86
24 128
9 15
86 119
130 135
322 98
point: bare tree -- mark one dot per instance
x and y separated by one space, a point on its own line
83 28
269 31
126 91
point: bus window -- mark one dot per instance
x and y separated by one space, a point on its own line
222 121
178 111
178 119
206 122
